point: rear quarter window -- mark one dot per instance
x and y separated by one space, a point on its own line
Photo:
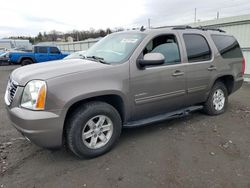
227 46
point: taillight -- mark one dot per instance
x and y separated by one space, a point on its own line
243 66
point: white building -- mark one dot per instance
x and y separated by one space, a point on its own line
15 44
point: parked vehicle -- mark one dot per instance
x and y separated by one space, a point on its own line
4 58
76 55
127 79
39 54
2 50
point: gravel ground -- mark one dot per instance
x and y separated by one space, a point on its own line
195 151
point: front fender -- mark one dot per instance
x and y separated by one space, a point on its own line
65 91
90 96
94 95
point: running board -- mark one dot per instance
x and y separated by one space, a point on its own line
162 117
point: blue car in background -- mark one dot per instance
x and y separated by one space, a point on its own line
39 54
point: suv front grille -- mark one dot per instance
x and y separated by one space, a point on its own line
10 91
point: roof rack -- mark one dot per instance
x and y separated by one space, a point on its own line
182 27
162 27
200 28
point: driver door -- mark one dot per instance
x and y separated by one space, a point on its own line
162 88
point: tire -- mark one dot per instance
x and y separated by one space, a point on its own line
214 104
26 62
81 121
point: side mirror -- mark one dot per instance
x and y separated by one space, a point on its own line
151 59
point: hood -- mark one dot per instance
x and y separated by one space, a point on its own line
52 69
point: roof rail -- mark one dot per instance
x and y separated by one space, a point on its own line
214 29
162 27
200 28
182 27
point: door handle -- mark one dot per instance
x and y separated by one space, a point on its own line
178 73
211 68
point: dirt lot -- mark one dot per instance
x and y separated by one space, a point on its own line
195 151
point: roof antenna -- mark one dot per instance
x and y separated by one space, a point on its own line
142 28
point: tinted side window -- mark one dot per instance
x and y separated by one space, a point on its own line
54 50
227 46
42 50
197 48
166 45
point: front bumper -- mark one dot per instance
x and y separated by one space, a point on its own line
4 60
45 129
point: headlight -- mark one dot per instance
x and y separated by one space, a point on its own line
34 95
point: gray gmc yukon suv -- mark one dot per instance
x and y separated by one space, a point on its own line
127 79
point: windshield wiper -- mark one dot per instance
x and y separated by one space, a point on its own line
99 59
82 57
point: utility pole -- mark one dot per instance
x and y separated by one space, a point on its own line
195 15
149 23
218 15
77 36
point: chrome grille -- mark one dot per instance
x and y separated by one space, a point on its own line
10 91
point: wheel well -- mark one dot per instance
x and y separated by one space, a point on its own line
114 100
26 58
228 80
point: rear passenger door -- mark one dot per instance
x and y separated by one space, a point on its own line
54 53
200 66
41 54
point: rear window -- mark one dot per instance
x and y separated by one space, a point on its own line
197 48
227 46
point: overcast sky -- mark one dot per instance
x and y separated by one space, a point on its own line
28 17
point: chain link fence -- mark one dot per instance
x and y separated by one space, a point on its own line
76 46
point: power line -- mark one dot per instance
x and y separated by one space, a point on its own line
161 18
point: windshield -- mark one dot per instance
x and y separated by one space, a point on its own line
116 48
